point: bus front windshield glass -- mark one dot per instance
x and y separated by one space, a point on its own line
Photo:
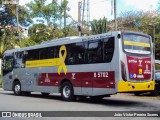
134 43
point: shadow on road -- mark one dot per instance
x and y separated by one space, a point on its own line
109 101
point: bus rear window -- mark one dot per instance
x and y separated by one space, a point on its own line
134 43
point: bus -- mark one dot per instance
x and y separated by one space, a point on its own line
93 66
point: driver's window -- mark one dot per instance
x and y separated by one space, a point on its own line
8 63
19 60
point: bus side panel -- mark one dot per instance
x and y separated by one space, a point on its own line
115 63
7 81
96 82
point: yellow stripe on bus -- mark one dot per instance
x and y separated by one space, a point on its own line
43 63
60 62
126 42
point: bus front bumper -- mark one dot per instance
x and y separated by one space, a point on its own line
126 86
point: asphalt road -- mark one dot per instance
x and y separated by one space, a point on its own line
36 102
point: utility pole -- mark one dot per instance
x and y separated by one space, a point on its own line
154 38
86 13
83 13
65 17
61 17
115 14
79 18
154 49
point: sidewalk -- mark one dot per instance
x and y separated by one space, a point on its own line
1 89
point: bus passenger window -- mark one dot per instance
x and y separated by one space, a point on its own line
46 53
108 49
33 54
76 53
95 52
80 51
71 53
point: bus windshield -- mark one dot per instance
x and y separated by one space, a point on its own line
135 43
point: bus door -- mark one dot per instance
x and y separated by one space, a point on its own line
7 69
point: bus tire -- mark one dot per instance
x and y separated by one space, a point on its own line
67 92
17 88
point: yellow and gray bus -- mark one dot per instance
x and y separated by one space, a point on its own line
94 66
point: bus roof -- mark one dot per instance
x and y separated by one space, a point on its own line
67 40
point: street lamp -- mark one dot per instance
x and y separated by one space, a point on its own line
115 13
17 3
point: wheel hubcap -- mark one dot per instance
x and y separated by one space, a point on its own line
17 88
66 92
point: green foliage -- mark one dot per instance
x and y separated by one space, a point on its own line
27 42
39 33
38 8
24 17
8 25
8 15
8 40
99 26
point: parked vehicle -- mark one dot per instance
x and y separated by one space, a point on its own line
156 91
157 83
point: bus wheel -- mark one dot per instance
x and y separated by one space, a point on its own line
67 92
17 88
44 94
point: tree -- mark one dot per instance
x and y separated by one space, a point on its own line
8 41
63 10
8 15
38 8
99 26
39 33
8 25
27 42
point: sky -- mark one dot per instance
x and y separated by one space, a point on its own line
101 8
